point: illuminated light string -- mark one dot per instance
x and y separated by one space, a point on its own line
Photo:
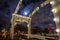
56 18
54 10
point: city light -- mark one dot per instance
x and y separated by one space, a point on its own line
57 30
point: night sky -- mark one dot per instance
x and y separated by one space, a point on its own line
43 18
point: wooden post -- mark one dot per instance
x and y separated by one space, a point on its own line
14 19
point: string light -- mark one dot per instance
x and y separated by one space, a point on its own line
52 2
56 19
54 10
57 30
